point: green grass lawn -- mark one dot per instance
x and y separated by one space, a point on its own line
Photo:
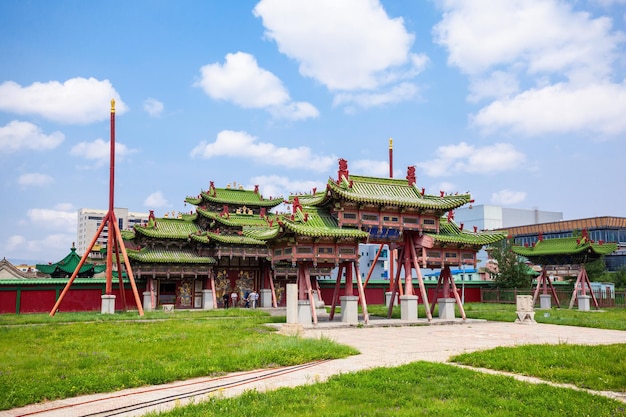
78 353
610 318
601 367
416 389
61 359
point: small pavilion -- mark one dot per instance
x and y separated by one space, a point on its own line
66 266
577 250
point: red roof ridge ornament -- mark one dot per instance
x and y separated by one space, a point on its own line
410 175
343 170
296 205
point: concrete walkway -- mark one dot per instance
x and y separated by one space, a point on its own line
382 343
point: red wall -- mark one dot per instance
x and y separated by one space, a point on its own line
41 299
7 301
37 301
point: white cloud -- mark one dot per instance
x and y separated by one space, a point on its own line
496 84
345 45
542 35
18 135
365 100
567 58
15 242
99 151
242 145
153 107
18 246
446 187
276 186
508 197
35 179
369 167
155 200
56 219
241 81
560 108
77 100
453 159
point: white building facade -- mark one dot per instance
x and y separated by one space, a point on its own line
89 220
486 217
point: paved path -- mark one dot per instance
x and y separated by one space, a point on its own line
382 344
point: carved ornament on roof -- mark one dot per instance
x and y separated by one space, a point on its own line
343 170
410 175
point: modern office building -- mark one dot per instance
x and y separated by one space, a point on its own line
487 217
89 220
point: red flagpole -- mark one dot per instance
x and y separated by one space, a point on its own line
390 158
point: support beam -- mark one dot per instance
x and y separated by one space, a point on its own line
585 283
361 288
335 299
373 266
542 282
272 278
420 280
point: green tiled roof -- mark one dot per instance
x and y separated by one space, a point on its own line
237 196
68 265
128 234
173 256
236 220
262 233
561 251
449 232
319 223
395 192
229 239
194 200
309 199
168 229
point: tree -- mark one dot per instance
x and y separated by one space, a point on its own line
511 272
596 269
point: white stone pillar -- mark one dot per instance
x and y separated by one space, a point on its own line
266 298
292 303
545 301
147 301
293 326
304 312
207 300
108 304
349 309
446 308
388 299
583 302
408 307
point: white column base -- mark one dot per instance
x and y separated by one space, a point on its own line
408 307
108 304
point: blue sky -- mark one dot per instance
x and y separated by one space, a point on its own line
522 103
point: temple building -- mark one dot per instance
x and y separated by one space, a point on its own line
66 266
233 240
